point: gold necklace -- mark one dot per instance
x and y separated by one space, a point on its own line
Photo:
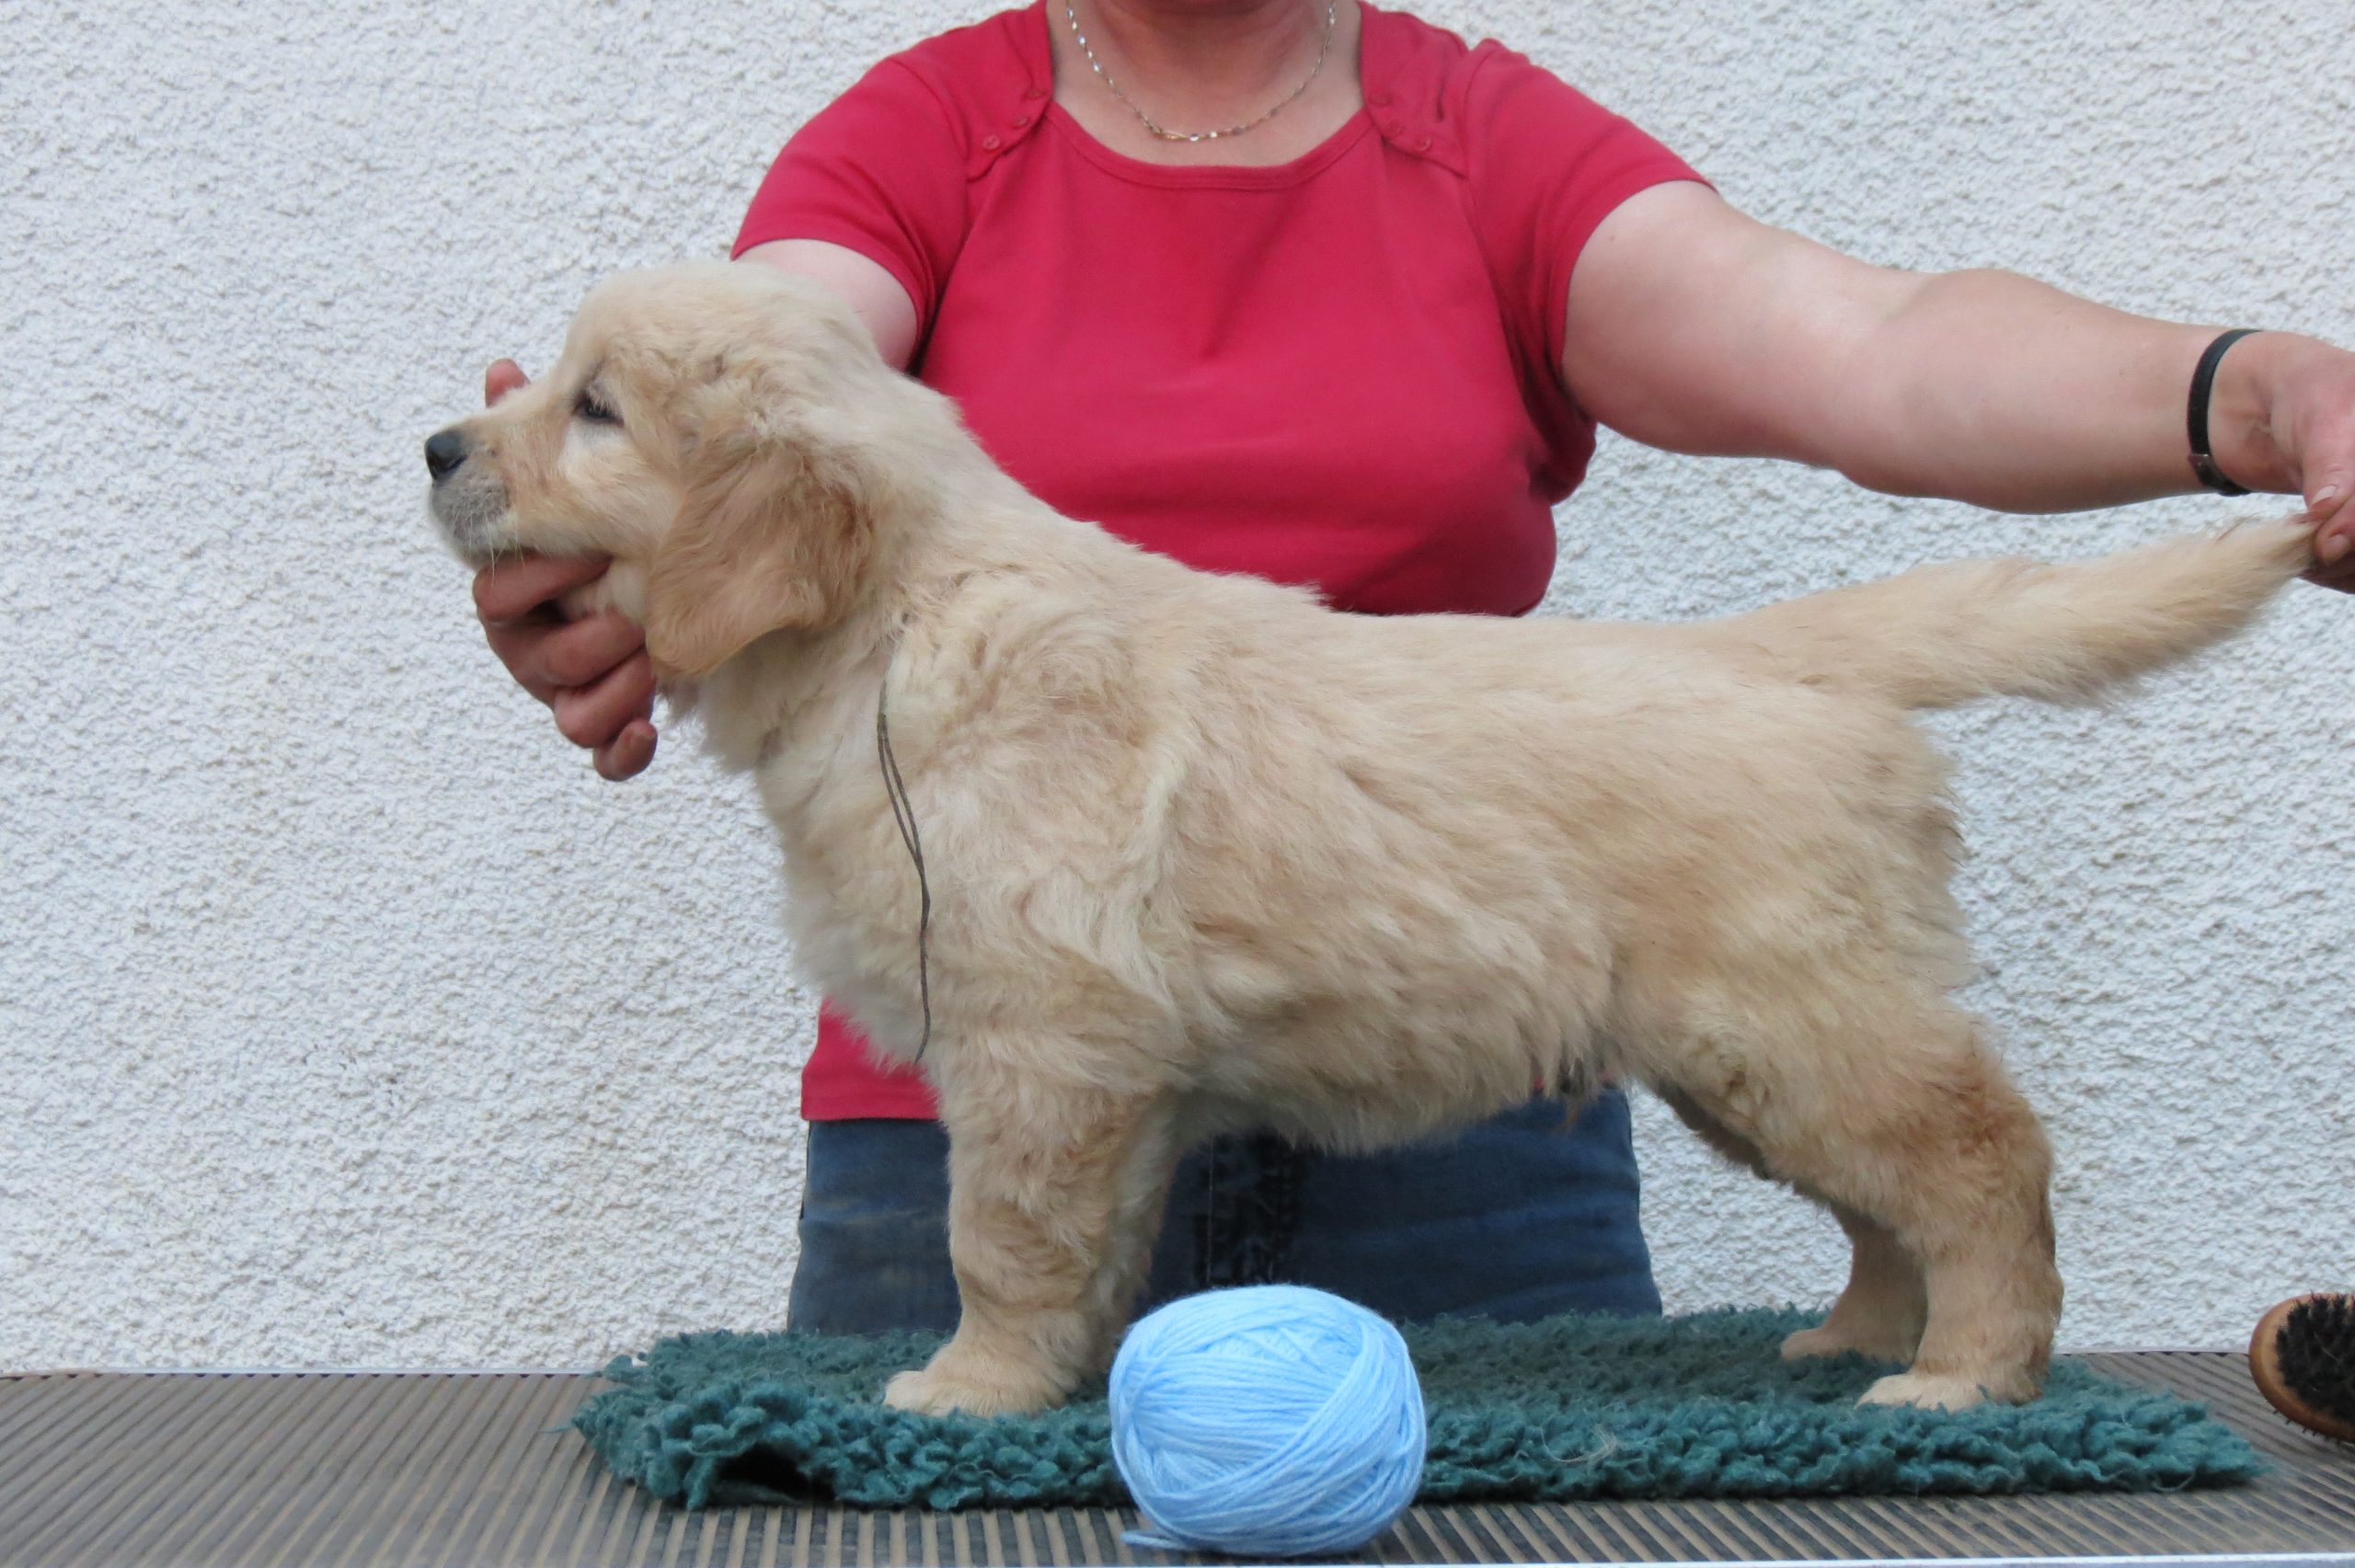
1098 67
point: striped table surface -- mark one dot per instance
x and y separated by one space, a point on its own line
479 1470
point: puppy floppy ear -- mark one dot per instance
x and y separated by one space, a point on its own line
774 532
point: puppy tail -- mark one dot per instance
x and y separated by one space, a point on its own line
1945 634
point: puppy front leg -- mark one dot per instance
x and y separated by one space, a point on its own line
1053 1196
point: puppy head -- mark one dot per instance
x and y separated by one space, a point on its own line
722 428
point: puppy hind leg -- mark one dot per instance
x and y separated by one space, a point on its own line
1884 1306
1911 1125
1881 1311
1948 1157
1986 1244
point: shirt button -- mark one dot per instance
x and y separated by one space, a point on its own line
1020 120
1423 145
1034 94
991 143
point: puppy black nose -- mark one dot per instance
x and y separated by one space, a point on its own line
444 451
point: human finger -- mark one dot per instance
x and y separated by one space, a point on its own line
594 715
503 377
627 754
514 588
584 652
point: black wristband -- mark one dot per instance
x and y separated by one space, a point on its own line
2203 382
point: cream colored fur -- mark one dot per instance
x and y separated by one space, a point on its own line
1206 856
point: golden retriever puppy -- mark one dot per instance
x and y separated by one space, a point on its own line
1203 855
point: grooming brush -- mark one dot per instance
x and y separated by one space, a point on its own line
2302 1357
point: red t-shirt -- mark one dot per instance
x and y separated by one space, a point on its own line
1339 371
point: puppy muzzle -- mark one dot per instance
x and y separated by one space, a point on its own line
468 503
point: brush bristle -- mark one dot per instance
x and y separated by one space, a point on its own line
2316 1350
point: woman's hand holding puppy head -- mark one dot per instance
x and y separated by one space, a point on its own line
592 670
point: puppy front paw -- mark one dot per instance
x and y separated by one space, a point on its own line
947 1387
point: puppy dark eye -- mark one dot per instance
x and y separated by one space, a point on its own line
593 408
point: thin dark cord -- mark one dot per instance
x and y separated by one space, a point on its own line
895 789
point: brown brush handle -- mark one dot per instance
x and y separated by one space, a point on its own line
2265 1366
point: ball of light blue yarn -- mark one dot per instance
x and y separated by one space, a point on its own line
1271 1421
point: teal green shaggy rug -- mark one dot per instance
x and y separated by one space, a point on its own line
1560 1411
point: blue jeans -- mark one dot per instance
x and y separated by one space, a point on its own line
1518 1218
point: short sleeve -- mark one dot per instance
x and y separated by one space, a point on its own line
1548 165
881 170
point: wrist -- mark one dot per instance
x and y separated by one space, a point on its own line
2245 413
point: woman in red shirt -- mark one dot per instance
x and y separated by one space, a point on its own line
1316 291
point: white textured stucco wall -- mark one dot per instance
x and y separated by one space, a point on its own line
345 1017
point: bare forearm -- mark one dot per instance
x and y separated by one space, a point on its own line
1995 389
1694 328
